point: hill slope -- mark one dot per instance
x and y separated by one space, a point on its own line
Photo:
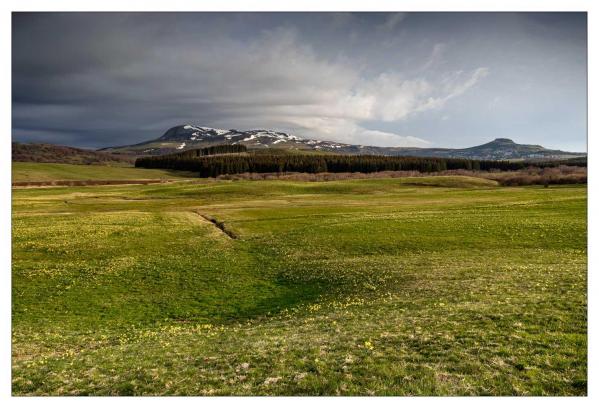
41 172
186 137
49 153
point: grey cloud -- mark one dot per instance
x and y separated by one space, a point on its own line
392 21
114 78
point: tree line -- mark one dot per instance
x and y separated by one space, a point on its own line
208 151
207 165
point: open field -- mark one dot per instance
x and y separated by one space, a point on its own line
404 286
23 171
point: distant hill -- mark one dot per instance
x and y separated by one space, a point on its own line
185 137
498 149
49 153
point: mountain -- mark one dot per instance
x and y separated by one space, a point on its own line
185 137
502 149
498 149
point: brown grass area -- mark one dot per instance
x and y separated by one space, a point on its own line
532 175
48 153
546 176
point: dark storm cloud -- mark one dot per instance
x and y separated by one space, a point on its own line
98 79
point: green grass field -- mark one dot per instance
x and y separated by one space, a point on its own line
415 286
24 171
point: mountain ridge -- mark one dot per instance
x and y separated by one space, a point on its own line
184 137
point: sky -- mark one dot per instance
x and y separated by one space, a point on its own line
385 79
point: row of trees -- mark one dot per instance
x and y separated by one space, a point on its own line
207 151
212 166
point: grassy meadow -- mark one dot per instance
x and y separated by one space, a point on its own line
27 171
404 286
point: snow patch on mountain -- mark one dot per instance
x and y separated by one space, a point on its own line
187 127
219 132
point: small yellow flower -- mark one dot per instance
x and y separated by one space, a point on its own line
368 344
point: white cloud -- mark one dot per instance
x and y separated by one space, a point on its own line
278 82
343 130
